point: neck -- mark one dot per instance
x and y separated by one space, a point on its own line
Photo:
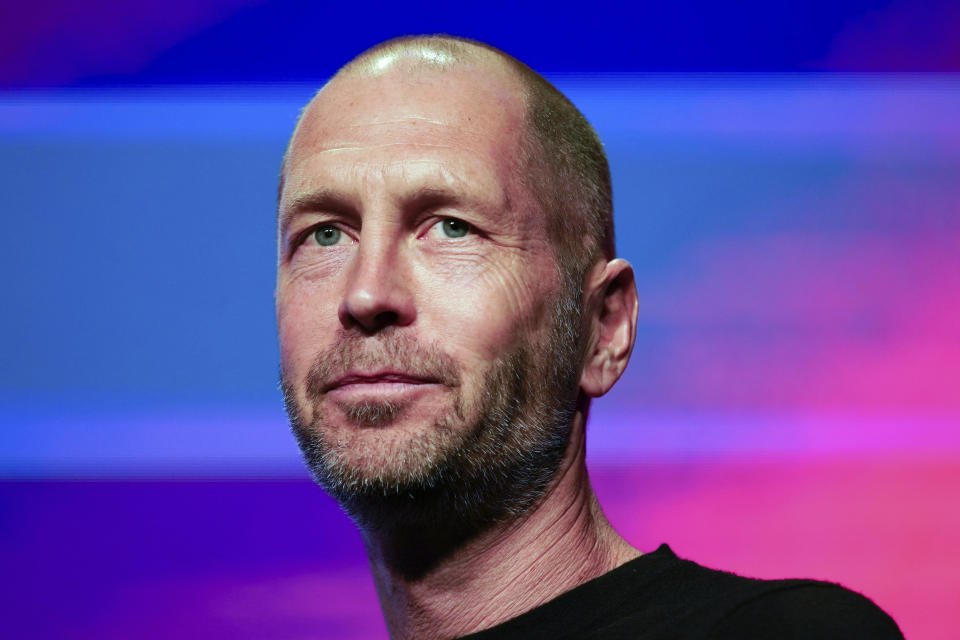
562 542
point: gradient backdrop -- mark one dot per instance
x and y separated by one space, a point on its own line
787 186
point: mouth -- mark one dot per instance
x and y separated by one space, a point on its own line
385 380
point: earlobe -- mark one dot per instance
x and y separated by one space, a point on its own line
612 325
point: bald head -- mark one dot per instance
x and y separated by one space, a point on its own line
561 159
426 53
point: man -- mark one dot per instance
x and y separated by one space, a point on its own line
448 303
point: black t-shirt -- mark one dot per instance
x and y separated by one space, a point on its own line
659 596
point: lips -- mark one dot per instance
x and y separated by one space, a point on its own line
378 377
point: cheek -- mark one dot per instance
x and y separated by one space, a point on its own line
302 328
484 312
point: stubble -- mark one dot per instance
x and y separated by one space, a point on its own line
487 458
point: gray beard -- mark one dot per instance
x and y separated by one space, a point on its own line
455 480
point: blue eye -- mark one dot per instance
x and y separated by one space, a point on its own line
453 228
327 236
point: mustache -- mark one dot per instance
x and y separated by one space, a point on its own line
391 349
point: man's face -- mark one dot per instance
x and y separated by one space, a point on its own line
419 303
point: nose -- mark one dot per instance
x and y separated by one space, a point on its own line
379 290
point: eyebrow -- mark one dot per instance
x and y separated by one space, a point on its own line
435 197
313 201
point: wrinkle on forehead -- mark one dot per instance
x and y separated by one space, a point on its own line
357 146
415 131
407 119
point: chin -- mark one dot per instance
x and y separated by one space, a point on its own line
379 447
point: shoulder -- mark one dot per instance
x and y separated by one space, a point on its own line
801 609
732 606
687 600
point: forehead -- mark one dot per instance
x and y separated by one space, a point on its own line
456 118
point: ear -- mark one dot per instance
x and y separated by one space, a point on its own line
611 304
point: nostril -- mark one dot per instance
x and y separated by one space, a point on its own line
371 322
383 320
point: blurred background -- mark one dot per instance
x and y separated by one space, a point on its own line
787 186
